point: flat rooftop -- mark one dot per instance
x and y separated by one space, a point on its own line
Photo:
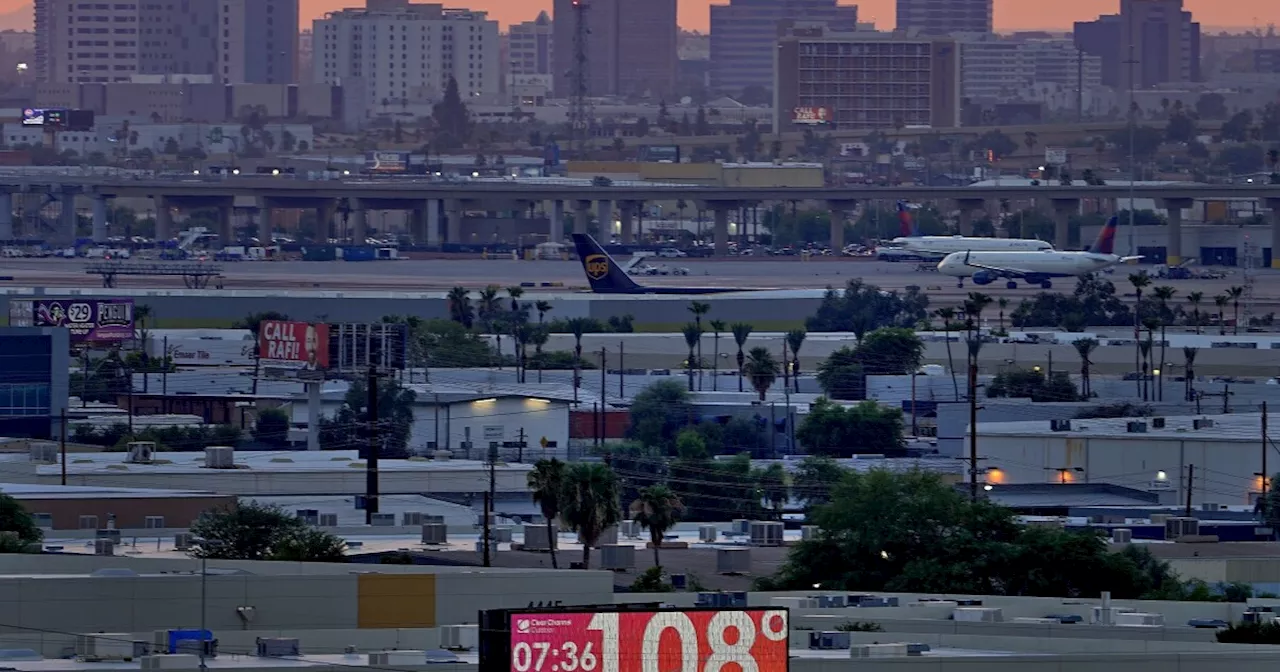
43 491
1235 427
168 462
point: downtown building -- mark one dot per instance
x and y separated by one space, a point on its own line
944 17
865 80
996 68
529 79
232 41
744 34
1155 40
630 47
406 51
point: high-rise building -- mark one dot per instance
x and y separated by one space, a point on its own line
744 34
259 41
993 68
529 47
630 46
864 79
943 17
1155 40
407 51
113 41
1058 61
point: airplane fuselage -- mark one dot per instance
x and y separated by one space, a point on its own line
1050 264
944 245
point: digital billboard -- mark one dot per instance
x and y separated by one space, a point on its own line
386 162
667 640
89 321
51 117
294 345
811 116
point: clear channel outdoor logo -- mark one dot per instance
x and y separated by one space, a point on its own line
541 626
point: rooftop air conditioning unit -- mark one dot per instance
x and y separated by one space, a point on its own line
327 520
630 529
1121 535
1178 527
1139 618
707 533
104 546
383 520
809 532
43 453
1157 423
1060 425
428 518
220 457
1211 506
308 516
1202 423
978 615
1135 427
739 527
460 637
537 539
109 646
141 452
618 557
397 658
766 533
879 651
435 533
608 537
182 541
412 519
277 647
828 641
501 534
180 661
733 560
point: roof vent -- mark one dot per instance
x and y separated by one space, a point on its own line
220 457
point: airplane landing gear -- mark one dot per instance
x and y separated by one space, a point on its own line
960 283
1011 284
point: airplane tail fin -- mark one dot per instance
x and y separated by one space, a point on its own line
906 223
1106 242
604 274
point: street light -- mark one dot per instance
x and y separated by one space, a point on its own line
205 545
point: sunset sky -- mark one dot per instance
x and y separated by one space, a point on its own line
1010 14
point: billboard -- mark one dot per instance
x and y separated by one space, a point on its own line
660 153
357 346
386 162
811 116
690 640
90 321
1055 156
50 117
295 346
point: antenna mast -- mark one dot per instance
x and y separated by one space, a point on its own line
580 106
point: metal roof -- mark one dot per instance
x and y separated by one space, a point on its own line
1234 427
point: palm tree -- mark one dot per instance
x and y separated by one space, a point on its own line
699 308
538 336
1235 293
1221 301
460 308
947 315
578 327
488 306
520 334
657 510
762 369
717 326
795 339
543 307
546 483
1003 303
1148 353
693 339
1085 347
515 292
1194 298
1140 280
741 332
1164 294
1189 355
589 503
1031 140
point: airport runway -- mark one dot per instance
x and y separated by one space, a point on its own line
440 275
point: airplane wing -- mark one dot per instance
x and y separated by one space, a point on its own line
1001 272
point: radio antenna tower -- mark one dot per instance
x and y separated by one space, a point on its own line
580 105
1250 278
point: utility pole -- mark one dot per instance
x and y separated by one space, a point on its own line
604 359
1191 476
371 460
1262 497
973 429
622 375
489 503
62 421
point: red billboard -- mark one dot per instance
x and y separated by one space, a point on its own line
294 345
694 640
811 115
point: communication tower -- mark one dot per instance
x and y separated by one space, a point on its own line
1250 278
580 105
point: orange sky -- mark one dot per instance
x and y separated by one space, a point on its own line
1010 14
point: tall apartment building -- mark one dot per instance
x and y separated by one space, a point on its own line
943 17
408 51
1161 40
630 47
235 41
1058 61
860 80
258 43
744 34
993 68
529 50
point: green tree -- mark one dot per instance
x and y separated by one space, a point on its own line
658 413
452 119
693 339
253 531
814 479
699 309
741 332
590 503
762 370
272 427
460 308
15 520
309 544
1023 383
547 484
717 326
795 340
859 301
657 510
1235 293
350 428
774 490
1085 347
838 431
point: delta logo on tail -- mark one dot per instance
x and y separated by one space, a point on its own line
607 277
1106 242
906 223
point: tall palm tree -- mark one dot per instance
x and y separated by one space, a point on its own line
717 326
741 332
699 308
1189 356
589 503
546 483
1085 347
460 308
948 315
974 306
543 307
1164 294
692 338
1140 281
657 510
578 327
1194 298
488 308
1003 303
1221 301
795 339
515 292
1148 352
538 336
1235 293
520 335
762 370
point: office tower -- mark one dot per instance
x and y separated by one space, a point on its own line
529 47
408 51
856 80
259 41
744 34
105 42
630 46
1161 38
943 17
993 68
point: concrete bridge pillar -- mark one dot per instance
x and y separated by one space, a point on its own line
164 219
1173 250
967 207
226 225
67 224
99 219
604 216
581 216
626 214
359 224
6 215
431 222
453 222
1063 208
1274 205
839 216
324 223
556 232
721 211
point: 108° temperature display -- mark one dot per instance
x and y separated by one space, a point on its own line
742 640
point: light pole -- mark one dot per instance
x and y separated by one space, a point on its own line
205 545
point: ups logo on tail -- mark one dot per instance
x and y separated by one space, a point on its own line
597 266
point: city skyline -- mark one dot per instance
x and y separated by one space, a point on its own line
694 14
